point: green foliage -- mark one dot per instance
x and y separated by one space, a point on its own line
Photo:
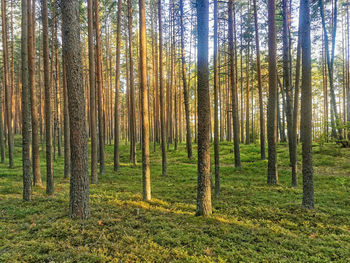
251 221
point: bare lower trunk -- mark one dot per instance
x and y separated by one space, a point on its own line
26 114
48 120
204 207
99 89
306 107
117 85
93 124
272 175
216 110
7 83
79 183
185 88
67 157
33 97
146 174
258 70
233 88
132 90
161 91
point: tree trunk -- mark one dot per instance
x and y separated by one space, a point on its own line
216 99
48 121
93 121
117 86
258 71
204 207
33 96
132 91
272 175
7 84
79 183
247 124
161 91
26 113
67 155
146 175
294 153
306 107
185 88
99 88
287 84
233 88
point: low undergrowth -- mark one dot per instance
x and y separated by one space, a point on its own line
251 221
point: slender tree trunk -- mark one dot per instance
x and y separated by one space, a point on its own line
79 183
161 91
92 74
348 68
58 91
247 124
67 155
117 86
294 153
2 142
272 175
306 107
241 75
287 83
48 121
233 88
185 88
99 88
204 207
132 91
33 97
146 174
258 71
216 99
26 113
7 83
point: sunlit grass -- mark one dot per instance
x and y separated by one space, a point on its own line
251 221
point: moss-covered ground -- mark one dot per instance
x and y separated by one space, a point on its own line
251 221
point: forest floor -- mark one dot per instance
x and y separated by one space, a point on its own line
251 221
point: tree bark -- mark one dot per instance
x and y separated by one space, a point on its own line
33 97
161 91
204 207
132 91
26 113
8 98
306 107
99 88
48 121
67 154
185 88
233 88
272 175
294 154
216 99
146 174
258 71
92 79
288 85
79 183
117 86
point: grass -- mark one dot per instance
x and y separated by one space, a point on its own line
251 221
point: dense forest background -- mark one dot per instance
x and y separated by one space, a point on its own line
142 113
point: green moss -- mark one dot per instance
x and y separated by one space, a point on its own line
251 221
